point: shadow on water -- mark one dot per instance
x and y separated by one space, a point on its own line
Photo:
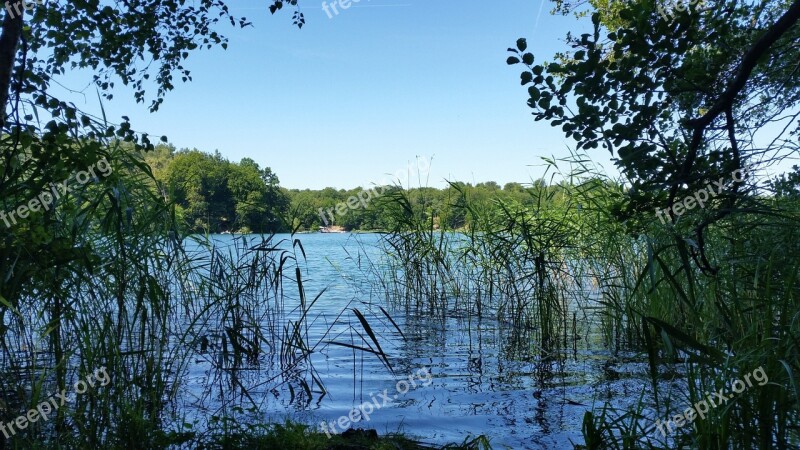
325 340
488 376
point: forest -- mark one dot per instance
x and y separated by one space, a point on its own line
212 195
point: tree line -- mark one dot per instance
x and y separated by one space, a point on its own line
212 194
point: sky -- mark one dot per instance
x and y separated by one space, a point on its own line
353 97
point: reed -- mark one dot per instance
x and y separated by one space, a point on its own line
563 267
104 279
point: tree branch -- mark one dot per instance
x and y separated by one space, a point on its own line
725 102
749 62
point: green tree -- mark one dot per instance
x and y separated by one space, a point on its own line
260 203
675 97
216 195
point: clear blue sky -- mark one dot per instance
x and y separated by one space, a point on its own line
348 99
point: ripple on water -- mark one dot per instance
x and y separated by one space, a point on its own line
482 383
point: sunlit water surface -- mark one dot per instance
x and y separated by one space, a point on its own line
481 382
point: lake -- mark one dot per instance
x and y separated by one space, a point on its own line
463 376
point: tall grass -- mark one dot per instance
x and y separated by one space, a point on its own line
512 262
563 264
104 279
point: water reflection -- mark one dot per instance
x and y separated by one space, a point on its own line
489 377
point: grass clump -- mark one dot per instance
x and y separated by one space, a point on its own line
295 436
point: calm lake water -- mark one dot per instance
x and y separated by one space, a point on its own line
480 381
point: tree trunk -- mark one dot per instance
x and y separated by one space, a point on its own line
9 42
